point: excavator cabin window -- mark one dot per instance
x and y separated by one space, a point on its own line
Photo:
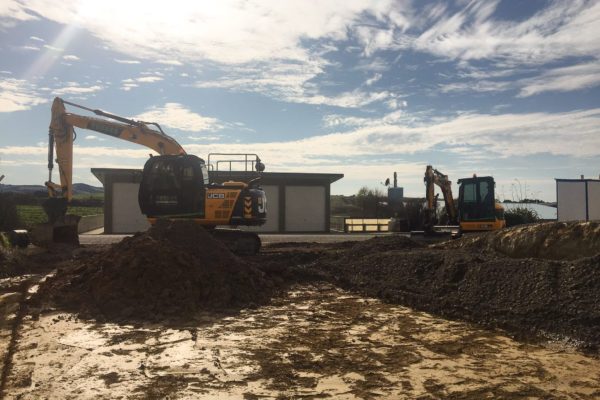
476 199
172 186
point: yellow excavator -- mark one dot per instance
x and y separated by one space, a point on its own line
477 209
175 185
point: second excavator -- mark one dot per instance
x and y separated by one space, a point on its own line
175 185
477 208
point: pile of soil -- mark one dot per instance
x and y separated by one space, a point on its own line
174 269
10 263
551 240
524 296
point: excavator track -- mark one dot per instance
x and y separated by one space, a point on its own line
239 242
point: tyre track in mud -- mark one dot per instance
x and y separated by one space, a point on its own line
21 311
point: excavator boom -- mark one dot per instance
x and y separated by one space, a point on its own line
432 178
62 135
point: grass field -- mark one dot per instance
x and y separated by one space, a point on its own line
95 196
29 215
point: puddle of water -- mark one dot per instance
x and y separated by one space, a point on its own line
317 340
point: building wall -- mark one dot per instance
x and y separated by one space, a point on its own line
578 200
126 214
594 200
295 202
305 208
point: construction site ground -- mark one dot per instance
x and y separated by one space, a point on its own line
385 317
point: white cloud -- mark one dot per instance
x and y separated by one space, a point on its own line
127 61
574 133
128 86
264 40
385 141
564 79
37 39
204 138
31 48
225 32
71 57
262 35
290 82
12 12
78 150
131 83
564 29
94 137
149 79
175 115
373 79
53 48
477 86
169 62
18 95
74 88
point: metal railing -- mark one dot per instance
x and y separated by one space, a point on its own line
241 161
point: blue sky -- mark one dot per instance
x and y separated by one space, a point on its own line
364 88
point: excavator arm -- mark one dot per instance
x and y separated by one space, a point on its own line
62 135
434 177
62 227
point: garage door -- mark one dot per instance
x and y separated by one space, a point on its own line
126 214
305 208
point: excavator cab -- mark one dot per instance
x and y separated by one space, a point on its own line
477 208
178 186
174 186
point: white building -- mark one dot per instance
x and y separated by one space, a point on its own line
296 202
578 199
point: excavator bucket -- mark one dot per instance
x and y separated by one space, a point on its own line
60 228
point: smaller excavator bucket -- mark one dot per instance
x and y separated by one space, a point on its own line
60 228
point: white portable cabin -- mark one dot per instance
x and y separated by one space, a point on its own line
578 199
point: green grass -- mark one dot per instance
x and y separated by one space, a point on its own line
96 196
29 215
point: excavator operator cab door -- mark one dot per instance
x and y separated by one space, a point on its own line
476 200
173 186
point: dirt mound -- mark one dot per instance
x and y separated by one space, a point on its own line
523 295
10 263
551 240
173 269
384 243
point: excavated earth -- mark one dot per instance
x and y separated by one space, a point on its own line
171 313
523 295
174 269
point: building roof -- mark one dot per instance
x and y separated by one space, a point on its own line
221 176
102 173
577 180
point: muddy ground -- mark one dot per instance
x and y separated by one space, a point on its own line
481 323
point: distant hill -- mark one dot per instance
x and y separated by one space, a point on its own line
84 188
78 189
